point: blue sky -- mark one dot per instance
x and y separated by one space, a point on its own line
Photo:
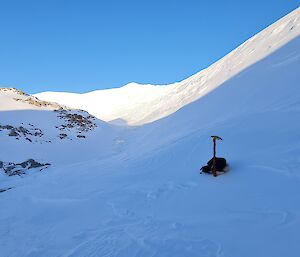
79 46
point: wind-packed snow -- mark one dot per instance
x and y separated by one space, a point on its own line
137 191
136 104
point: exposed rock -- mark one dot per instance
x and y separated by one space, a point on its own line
32 100
13 90
6 127
12 169
13 133
76 121
5 189
62 135
39 103
72 123
22 131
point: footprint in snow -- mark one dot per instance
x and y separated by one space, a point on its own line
169 187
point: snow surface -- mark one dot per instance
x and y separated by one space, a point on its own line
136 104
136 191
13 99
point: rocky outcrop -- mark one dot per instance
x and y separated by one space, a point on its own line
75 120
32 100
69 124
21 131
5 189
62 135
13 90
12 169
20 96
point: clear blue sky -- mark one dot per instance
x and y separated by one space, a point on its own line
79 46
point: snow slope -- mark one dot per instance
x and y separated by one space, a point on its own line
136 104
14 99
140 193
48 132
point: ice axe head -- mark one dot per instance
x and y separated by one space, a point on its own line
216 138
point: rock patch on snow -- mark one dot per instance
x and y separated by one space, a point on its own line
12 169
5 189
21 131
75 121
32 100
13 90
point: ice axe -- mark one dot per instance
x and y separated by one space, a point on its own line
214 171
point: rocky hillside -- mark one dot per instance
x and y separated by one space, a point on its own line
69 124
34 129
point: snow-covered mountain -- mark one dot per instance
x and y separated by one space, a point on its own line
136 104
46 131
136 191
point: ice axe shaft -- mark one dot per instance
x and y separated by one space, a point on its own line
215 138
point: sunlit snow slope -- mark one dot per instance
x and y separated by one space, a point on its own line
137 191
136 104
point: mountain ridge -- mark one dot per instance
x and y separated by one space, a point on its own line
138 104
136 190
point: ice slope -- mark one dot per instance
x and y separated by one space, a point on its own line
146 198
136 104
